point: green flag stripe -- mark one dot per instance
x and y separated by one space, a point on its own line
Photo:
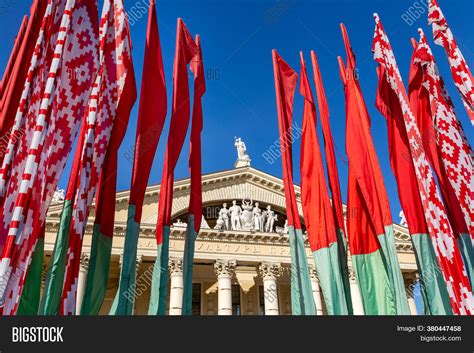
159 284
55 276
467 252
432 283
30 296
124 299
188 261
397 283
302 301
342 249
374 284
326 261
98 274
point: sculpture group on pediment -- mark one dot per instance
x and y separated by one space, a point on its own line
247 217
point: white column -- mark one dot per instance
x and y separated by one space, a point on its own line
176 286
81 281
316 290
224 272
269 273
357 305
410 283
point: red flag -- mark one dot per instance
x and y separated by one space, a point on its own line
195 200
360 149
444 141
151 113
462 76
12 93
63 102
302 302
13 58
314 195
285 85
443 239
105 198
107 119
331 165
400 157
185 50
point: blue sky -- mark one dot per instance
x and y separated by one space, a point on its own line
237 38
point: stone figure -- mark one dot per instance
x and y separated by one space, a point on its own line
224 215
258 218
403 220
270 218
235 212
58 196
220 225
285 227
246 217
243 159
179 223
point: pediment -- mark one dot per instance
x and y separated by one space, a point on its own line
218 187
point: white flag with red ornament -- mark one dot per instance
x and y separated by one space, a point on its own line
16 152
443 238
459 69
115 73
63 101
454 149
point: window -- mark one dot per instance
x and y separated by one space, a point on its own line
261 301
235 299
196 299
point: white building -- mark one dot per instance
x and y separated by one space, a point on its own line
234 271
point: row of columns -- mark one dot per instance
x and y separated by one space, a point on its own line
225 271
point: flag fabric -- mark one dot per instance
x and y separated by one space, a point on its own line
186 50
446 146
30 296
443 239
195 197
51 298
444 37
302 302
12 60
333 177
374 285
62 106
19 138
103 230
370 228
17 70
151 119
108 110
317 210
433 288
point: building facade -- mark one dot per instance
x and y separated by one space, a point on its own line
236 271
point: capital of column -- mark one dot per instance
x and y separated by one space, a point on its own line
352 275
225 268
312 273
175 266
84 262
410 280
44 274
270 270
